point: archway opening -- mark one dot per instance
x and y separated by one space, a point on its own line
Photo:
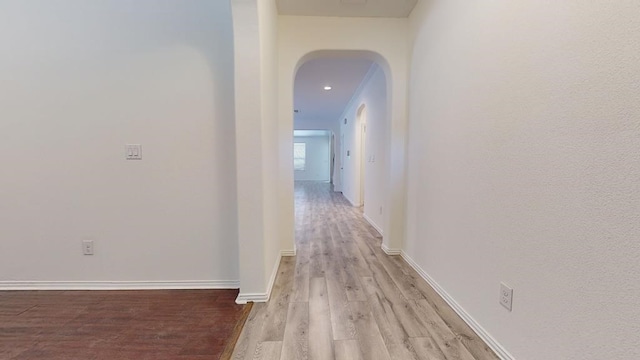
347 93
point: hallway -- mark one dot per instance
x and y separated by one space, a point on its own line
342 297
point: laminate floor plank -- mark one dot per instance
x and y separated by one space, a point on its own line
464 333
353 287
300 290
267 350
343 298
250 335
402 308
444 338
341 319
348 350
426 349
320 334
276 313
316 269
371 343
354 257
404 282
393 334
296 337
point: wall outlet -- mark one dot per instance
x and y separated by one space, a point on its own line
87 247
380 210
506 296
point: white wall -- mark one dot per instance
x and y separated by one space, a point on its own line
333 126
524 165
78 81
255 39
300 38
268 13
317 158
372 94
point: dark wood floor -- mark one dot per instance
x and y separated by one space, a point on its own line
91 325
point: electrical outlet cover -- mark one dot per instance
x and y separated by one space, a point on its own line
506 296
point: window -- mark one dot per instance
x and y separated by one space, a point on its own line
299 156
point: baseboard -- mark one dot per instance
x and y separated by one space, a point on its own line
288 252
350 201
389 251
375 226
244 298
257 297
119 285
272 278
477 328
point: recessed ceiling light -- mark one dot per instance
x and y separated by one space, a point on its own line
327 88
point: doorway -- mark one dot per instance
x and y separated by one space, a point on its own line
362 122
347 93
312 155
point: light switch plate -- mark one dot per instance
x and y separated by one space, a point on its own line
133 152
87 247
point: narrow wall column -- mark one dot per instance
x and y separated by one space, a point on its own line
249 149
396 161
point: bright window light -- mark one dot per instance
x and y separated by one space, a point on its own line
299 156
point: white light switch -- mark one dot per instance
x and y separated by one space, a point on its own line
134 152
87 247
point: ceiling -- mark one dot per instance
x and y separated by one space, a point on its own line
344 75
347 8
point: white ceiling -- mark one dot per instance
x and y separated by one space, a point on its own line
347 8
343 75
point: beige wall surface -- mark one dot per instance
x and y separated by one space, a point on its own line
524 167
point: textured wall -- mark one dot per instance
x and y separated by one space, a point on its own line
255 61
372 94
78 81
524 161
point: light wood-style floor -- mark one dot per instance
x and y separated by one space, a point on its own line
341 297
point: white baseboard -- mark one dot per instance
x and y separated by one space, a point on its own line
389 251
257 297
288 252
119 285
477 328
244 298
375 226
350 201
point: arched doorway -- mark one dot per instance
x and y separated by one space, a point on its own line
392 210
362 131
